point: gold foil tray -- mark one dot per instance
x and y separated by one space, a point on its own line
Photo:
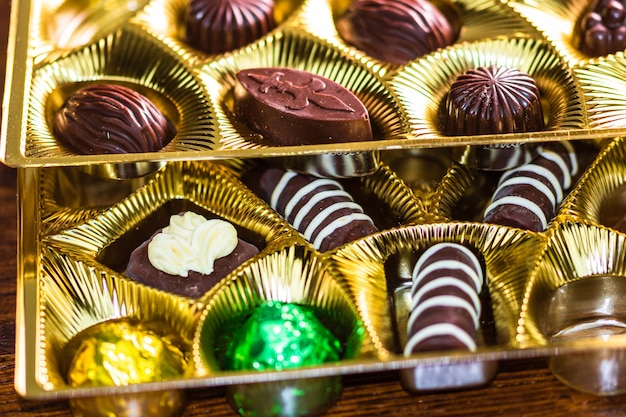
55 47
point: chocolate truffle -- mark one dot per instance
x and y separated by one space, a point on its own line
281 336
293 107
527 197
445 304
395 31
319 208
601 29
492 100
216 26
189 256
111 119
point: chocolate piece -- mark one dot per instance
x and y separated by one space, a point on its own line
526 197
122 352
445 303
601 29
492 100
395 31
186 255
613 209
319 208
292 107
216 26
281 336
111 119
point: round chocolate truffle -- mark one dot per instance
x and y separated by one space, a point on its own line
492 100
395 31
602 28
216 26
111 119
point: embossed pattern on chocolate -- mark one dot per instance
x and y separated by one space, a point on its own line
445 303
319 208
192 260
491 100
527 197
216 26
111 119
395 31
293 107
602 28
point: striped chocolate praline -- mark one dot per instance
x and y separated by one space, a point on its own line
319 208
217 26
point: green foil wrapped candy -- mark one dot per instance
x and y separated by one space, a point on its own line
281 336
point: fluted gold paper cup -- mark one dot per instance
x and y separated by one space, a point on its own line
131 58
469 20
377 269
559 22
167 19
296 49
422 87
71 24
574 302
89 322
599 196
601 83
203 188
292 276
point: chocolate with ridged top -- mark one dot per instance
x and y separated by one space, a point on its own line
445 305
111 119
216 26
319 208
601 29
492 100
292 107
395 31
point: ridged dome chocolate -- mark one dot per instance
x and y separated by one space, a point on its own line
602 28
111 119
216 26
491 100
395 31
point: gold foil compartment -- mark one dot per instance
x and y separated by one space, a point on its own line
205 188
556 21
76 293
293 48
602 83
70 24
598 197
129 57
373 269
294 274
471 19
422 85
166 20
574 302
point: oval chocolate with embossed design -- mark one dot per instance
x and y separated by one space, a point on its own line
292 107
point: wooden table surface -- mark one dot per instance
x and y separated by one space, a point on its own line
521 388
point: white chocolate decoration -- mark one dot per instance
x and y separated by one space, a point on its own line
191 243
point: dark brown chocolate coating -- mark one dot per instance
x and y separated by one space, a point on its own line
528 196
111 119
395 31
601 29
195 284
492 100
435 291
216 26
297 191
293 107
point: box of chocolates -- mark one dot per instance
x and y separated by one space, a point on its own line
260 197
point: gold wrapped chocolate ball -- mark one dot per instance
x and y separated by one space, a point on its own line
123 352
